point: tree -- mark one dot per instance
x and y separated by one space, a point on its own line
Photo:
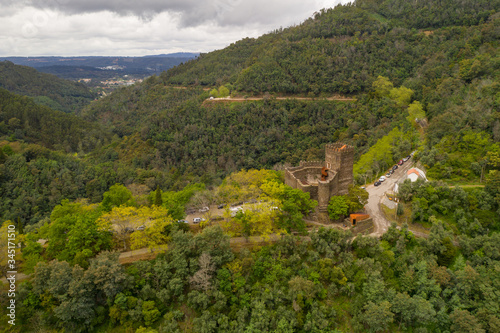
400 209
377 316
223 91
338 207
415 111
201 279
73 230
382 86
401 95
464 322
356 198
294 204
214 93
158 200
116 196
145 226
257 219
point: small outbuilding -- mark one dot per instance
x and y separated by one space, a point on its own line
355 218
414 173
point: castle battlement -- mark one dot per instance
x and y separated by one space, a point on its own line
339 159
339 147
311 163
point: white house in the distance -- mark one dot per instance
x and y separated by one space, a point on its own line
414 173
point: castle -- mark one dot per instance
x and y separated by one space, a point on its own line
338 164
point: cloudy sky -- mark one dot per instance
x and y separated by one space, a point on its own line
141 27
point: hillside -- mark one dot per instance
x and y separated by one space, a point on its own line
45 89
22 119
449 74
344 49
194 185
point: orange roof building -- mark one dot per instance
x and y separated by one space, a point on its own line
355 218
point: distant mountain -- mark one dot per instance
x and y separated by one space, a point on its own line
175 55
103 67
46 89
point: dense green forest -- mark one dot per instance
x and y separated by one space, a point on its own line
120 174
46 89
326 282
343 49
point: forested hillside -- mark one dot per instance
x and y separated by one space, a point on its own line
46 89
124 173
343 49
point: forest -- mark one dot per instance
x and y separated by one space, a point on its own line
201 281
84 181
45 89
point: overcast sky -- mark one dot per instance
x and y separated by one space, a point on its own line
141 27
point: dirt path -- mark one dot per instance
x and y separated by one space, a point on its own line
243 99
147 254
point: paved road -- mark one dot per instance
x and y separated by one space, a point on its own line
381 224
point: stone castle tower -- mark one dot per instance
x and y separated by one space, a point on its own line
339 160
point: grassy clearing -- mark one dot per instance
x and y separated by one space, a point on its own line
390 214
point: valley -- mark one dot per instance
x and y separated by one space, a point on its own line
219 192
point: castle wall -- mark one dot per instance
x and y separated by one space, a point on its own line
298 178
363 227
339 160
311 189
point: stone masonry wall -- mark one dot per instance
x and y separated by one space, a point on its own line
339 160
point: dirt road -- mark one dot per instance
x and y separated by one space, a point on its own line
243 99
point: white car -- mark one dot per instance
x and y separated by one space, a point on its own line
204 209
381 179
198 220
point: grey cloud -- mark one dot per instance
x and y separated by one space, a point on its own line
191 13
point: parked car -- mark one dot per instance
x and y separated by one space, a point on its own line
221 206
197 220
142 227
182 221
204 209
400 162
387 175
382 179
394 167
377 183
